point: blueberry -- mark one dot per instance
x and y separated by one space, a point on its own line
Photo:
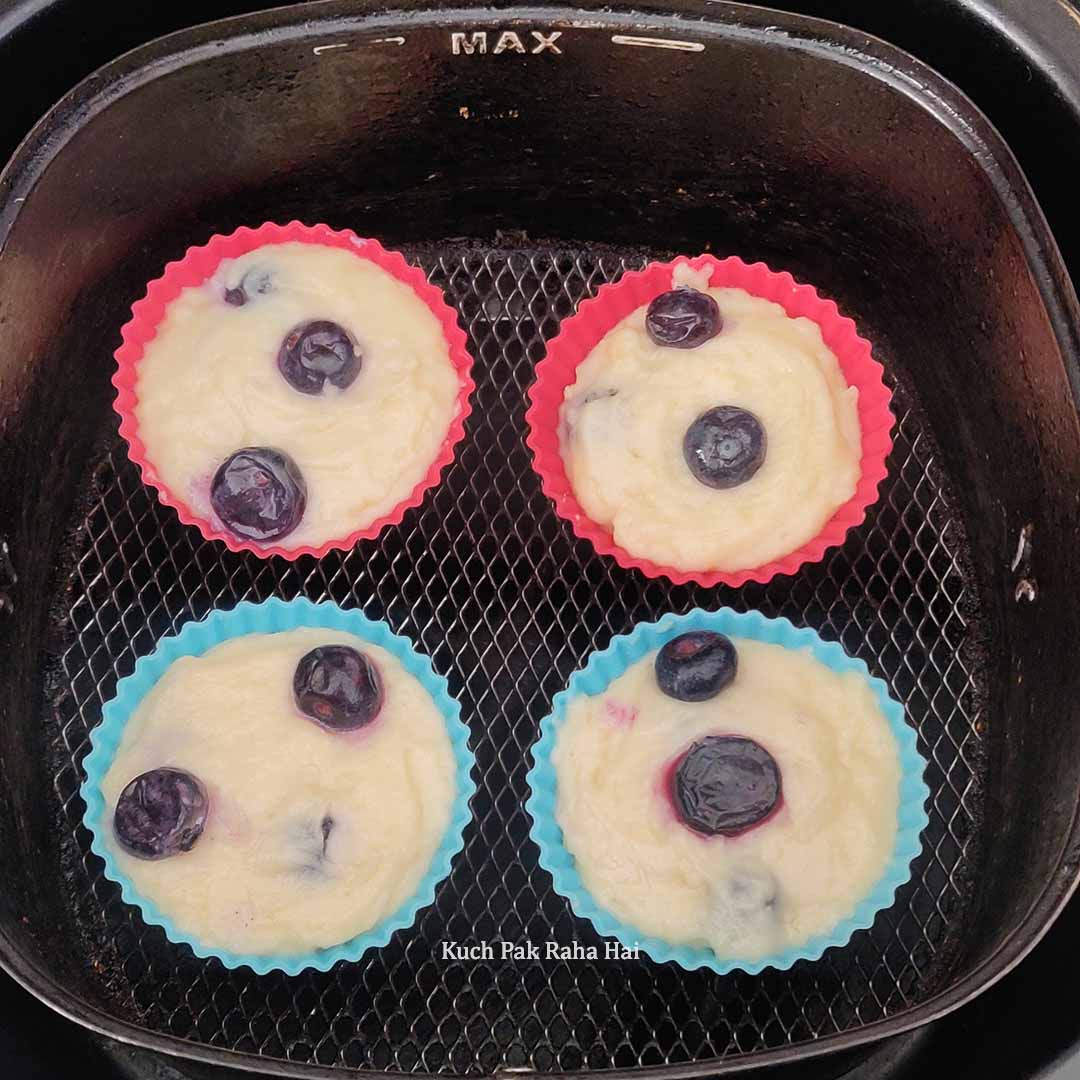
724 447
683 319
160 813
724 785
338 687
696 666
603 424
259 493
310 839
745 893
744 905
318 352
256 282
750 889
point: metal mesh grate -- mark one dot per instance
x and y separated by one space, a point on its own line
492 585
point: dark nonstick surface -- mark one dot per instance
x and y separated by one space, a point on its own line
487 580
885 189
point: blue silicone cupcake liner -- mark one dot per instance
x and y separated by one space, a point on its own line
269 617
608 664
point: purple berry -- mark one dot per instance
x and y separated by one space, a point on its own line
316 353
338 687
724 447
256 282
724 785
745 898
696 666
310 839
683 319
259 493
160 813
750 891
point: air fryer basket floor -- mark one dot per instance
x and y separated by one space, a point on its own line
488 581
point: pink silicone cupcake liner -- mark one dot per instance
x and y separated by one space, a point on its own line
580 333
199 264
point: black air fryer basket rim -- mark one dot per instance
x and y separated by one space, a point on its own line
841 44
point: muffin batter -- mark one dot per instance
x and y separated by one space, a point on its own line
268 875
624 420
209 384
795 874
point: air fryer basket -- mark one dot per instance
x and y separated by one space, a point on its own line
522 176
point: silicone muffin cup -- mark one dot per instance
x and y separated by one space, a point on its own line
199 264
605 666
270 617
580 333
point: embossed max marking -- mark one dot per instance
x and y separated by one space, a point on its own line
475 42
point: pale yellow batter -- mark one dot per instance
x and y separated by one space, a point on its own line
255 880
817 856
623 451
208 385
